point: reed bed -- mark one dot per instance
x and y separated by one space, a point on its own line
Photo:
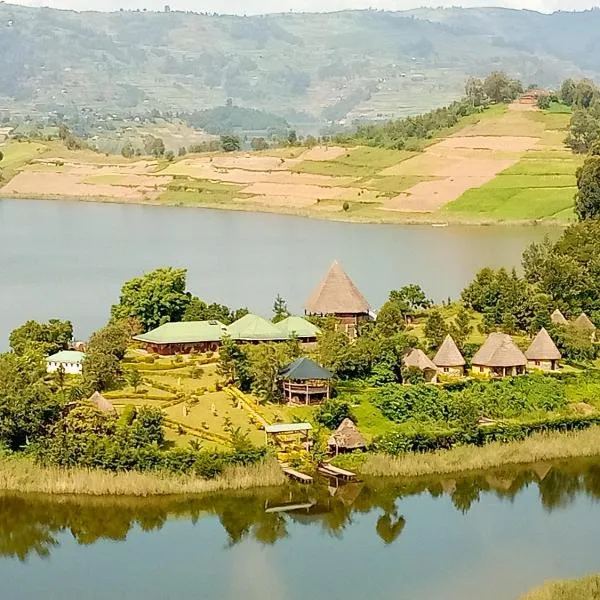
537 448
581 589
23 475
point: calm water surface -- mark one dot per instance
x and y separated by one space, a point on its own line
488 537
69 259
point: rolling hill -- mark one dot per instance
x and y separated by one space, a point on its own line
301 67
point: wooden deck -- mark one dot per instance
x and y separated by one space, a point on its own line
297 475
331 471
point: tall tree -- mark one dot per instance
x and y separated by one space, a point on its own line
280 309
230 143
47 338
587 199
461 328
155 298
435 329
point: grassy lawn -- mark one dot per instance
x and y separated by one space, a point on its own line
393 185
358 162
17 155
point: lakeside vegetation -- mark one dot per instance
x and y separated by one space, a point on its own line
587 588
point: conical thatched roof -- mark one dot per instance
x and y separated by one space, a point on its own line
543 348
347 437
449 355
584 322
558 318
337 294
418 359
499 350
101 403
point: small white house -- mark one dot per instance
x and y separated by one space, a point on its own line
71 361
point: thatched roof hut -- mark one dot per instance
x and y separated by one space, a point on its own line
558 318
101 403
543 348
499 355
449 355
418 360
584 323
337 294
347 438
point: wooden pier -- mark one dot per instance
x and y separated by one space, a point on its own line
331 471
297 475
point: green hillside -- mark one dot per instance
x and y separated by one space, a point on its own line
301 67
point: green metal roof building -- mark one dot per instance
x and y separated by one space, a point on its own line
253 328
298 327
185 337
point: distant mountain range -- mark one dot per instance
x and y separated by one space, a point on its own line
303 67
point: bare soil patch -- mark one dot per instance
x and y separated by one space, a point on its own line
501 143
32 183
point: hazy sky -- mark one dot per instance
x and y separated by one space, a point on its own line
265 6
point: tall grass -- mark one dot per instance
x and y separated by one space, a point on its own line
23 475
582 589
537 448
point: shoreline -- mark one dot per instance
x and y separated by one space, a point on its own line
399 218
22 475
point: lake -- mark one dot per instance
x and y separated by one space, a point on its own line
69 259
492 536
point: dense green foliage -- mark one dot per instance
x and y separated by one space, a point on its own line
584 98
88 438
410 132
198 310
27 405
429 439
587 200
227 119
332 412
47 338
154 298
508 398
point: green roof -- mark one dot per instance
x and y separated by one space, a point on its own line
304 369
299 327
189 332
67 356
255 328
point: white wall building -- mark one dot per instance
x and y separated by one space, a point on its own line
71 361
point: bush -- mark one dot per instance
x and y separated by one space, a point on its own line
332 412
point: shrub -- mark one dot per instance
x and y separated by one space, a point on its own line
332 412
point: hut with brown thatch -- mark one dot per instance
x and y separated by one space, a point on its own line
346 438
101 403
337 295
449 359
584 323
417 359
543 353
499 357
558 318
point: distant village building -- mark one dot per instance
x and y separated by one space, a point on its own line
558 318
305 382
417 359
301 329
543 353
337 296
183 338
70 360
347 438
449 359
499 357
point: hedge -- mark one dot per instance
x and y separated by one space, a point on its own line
429 440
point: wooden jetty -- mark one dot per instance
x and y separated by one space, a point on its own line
331 471
297 475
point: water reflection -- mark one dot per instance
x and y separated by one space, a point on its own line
31 525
